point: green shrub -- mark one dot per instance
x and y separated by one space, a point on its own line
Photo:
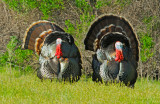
15 56
70 27
79 29
146 46
21 5
83 5
102 3
145 38
45 6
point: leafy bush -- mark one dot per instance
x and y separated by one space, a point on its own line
146 39
79 29
83 5
21 5
70 27
15 56
146 46
45 6
102 3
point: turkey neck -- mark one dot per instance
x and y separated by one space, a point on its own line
58 51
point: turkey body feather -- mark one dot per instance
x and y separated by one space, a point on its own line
44 37
112 37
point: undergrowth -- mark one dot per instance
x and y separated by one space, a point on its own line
83 5
45 6
79 29
146 39
15 56
102 3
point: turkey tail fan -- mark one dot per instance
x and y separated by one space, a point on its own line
111 28
57 34
36 33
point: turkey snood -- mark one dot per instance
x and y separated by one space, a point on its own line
119 53
58 48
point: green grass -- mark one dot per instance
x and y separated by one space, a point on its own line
19 88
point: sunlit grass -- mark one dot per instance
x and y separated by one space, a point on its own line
17 88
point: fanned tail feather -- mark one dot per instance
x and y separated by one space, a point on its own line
111 28
36 33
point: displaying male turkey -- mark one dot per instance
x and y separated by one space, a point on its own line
116 50
58 55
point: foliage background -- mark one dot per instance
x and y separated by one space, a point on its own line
75 16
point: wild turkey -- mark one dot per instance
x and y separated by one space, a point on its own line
116 50
58 55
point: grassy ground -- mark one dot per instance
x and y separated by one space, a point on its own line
25 88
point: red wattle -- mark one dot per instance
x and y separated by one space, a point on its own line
58 51
119 55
